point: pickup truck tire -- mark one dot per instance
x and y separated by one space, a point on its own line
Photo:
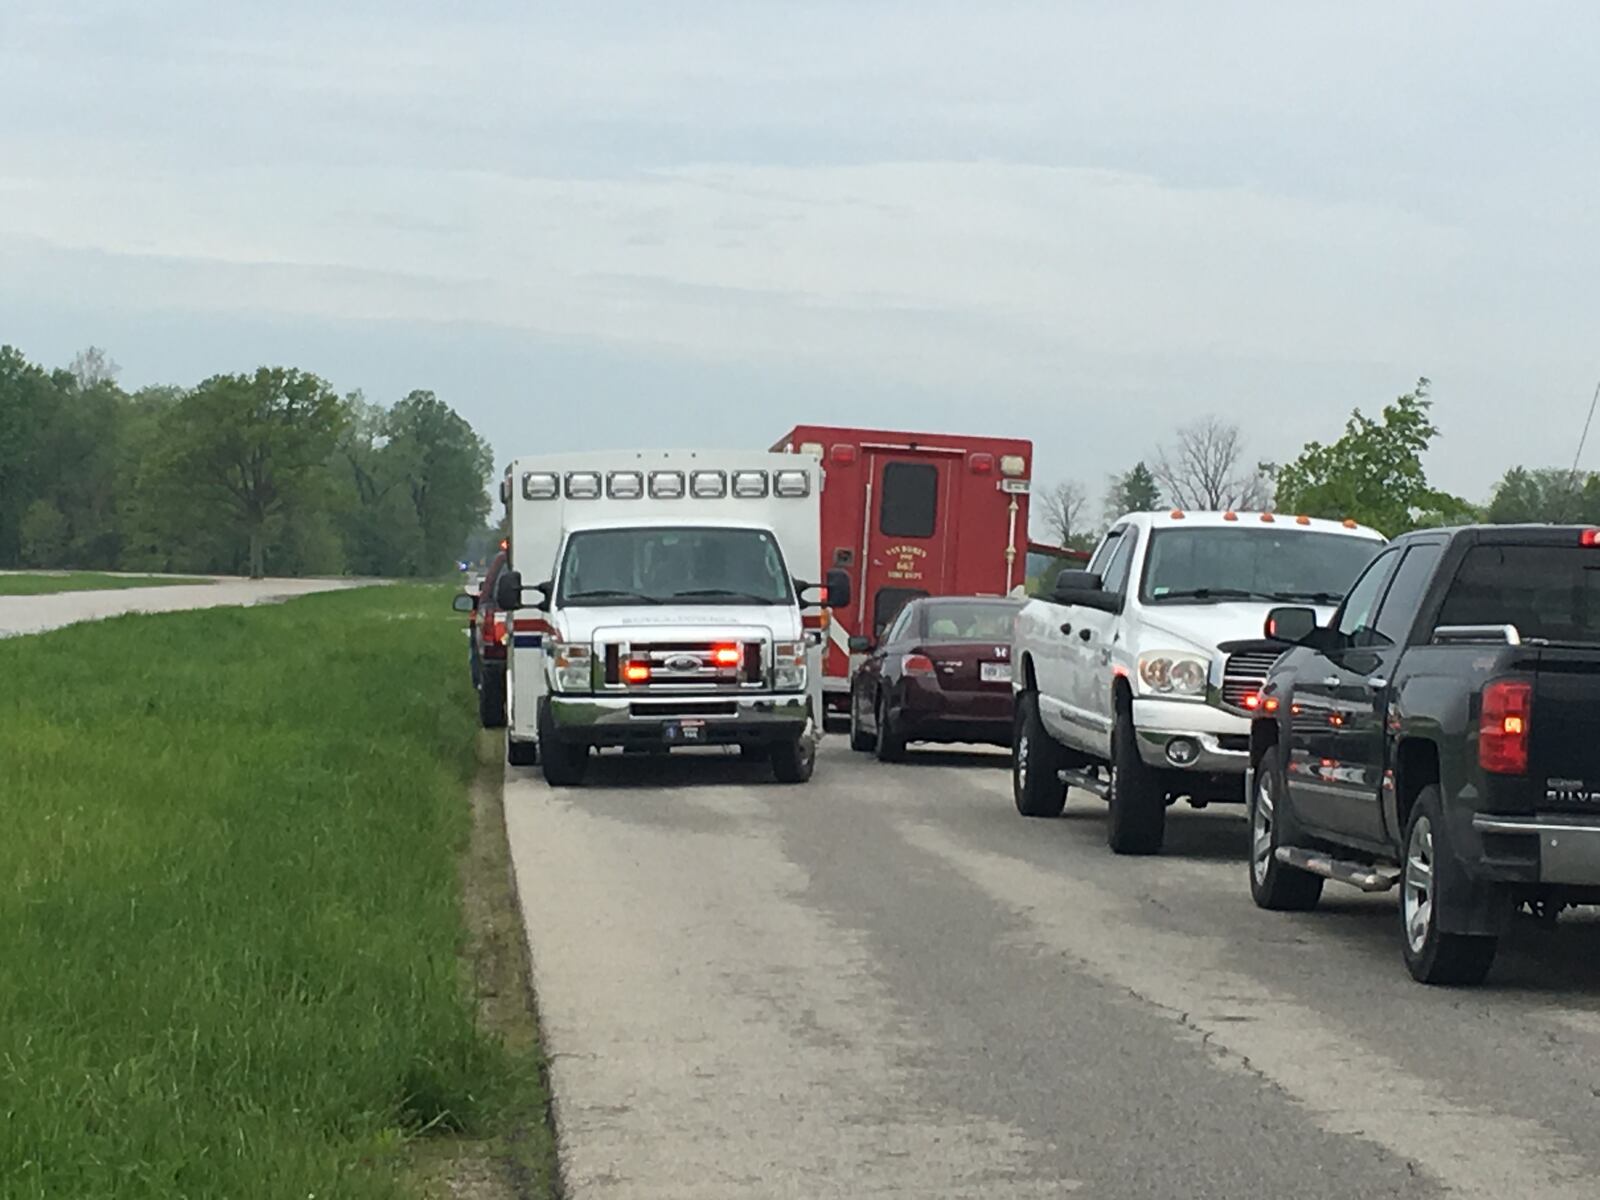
860 740
564 763
1138 820
492 698
1037 760
1275 885
1433 956
890 745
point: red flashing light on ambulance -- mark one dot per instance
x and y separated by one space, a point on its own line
913 514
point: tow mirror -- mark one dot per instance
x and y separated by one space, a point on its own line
463 602
860 645
1085 589
545 590
1293 625
508 590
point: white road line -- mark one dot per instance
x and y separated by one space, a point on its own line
1478 1154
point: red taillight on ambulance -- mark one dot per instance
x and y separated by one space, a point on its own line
1503 727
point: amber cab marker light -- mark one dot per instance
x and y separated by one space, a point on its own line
1349 523
1177 514
1302 519
1230 516
1267 518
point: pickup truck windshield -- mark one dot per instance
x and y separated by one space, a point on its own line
1185 565
1550 593
686 565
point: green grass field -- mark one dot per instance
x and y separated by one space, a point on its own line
231 935
81 581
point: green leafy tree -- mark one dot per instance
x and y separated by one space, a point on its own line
1135 490
251 445
45 535
1544 495
446 467
28 398
1374 473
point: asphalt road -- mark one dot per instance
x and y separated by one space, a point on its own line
38 614
887 983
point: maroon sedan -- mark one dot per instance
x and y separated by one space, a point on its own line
941 674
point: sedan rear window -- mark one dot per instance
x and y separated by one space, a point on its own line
979 622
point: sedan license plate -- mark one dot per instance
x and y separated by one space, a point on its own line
995 672
685 732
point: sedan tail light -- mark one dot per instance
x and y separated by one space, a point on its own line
1503 727
916 664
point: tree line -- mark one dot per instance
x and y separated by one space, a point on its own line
1372 473
269 471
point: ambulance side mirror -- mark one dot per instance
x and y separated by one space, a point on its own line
838 588
508 590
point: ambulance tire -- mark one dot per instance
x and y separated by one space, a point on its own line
564 763
794 761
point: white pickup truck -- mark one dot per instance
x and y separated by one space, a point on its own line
1136 678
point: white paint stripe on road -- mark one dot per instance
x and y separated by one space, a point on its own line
711 1034
1477 1154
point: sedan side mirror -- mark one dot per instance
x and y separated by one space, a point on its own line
1292 624
463 602
860 645
508 590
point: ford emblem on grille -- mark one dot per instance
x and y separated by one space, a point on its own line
683 663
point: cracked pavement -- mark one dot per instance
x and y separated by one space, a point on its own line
887 983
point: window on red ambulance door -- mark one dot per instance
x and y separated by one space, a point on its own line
910 504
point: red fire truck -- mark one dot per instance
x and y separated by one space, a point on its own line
914 514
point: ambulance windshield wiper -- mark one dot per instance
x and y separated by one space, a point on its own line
724 594
612 594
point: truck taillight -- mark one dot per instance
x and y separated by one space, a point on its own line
916 664
1503 727
1589 537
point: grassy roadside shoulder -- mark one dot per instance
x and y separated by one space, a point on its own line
47 584
230 909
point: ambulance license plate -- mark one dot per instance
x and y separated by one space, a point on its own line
995 672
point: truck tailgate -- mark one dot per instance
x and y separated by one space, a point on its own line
1564 746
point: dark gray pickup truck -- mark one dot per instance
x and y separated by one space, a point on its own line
1441 734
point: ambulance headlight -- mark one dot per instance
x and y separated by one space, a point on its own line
789 666
573 664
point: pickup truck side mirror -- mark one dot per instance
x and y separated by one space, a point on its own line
464 602
508 590
860 645
1291 624
1085 589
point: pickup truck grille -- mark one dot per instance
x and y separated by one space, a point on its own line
1244 673
683 666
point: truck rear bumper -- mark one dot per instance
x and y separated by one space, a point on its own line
679 721
1566 847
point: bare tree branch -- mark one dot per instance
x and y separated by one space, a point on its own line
1201 470
1060 512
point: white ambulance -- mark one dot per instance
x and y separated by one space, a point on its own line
665 599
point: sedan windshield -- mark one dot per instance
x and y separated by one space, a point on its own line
969 621
1272 565
673 565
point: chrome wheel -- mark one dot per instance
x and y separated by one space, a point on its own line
1024 744
1418 895
1261 849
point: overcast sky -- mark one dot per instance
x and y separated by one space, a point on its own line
648 223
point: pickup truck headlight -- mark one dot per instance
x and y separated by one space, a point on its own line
573 664
789 666
1173 673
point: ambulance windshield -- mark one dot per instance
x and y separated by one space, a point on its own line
676 565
